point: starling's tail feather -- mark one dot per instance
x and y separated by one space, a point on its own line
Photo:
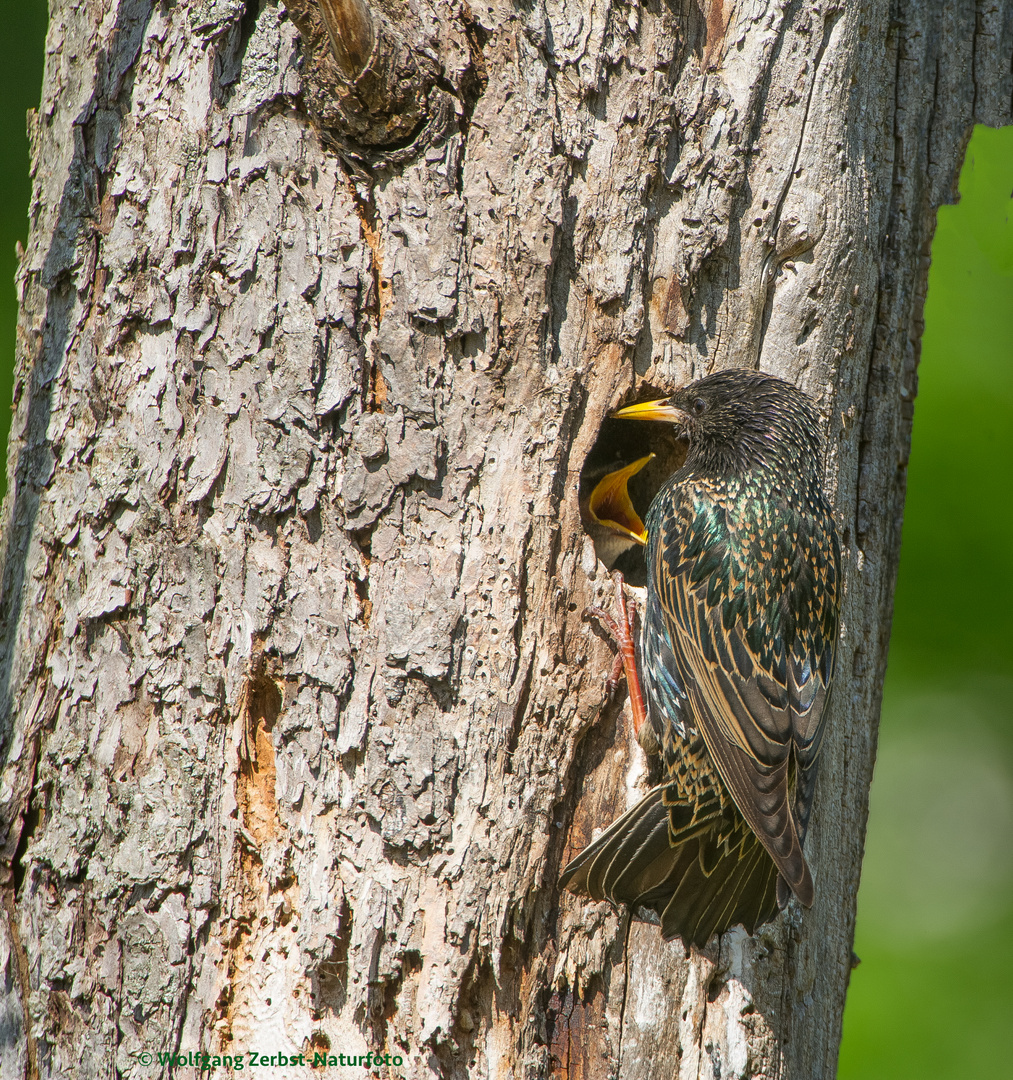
635 840
739 889
702 884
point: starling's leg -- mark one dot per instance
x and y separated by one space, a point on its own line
621 630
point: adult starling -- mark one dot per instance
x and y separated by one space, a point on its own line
737 651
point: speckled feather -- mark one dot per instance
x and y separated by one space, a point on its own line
737 655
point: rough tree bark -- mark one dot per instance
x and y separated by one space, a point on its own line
299 718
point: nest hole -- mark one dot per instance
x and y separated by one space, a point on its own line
610 520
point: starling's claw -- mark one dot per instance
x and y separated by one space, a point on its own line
612 682
604 618
612 628
621 631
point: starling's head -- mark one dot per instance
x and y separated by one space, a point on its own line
738 419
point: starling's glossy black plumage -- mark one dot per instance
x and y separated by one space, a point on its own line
737 653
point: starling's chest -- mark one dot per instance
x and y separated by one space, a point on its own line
734 518
733 544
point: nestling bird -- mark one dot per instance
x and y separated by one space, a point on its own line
737 652
609 516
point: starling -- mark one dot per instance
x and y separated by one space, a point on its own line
737 651
609 504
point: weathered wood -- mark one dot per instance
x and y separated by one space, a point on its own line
298 715
370 78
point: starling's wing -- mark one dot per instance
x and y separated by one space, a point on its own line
813 655
731 598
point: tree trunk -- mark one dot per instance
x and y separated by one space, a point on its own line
322 310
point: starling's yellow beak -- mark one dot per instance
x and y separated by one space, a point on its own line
660 409
610 504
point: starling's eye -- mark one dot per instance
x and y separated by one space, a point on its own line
699 406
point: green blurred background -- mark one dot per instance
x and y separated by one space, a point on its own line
20 90
933 996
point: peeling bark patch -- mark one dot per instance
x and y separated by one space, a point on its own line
671 306
256 795
476 76
329 981
377 388
264 895
365 209
717 24
576 1030
384 293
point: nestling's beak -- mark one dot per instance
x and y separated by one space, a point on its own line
660 409
610 505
